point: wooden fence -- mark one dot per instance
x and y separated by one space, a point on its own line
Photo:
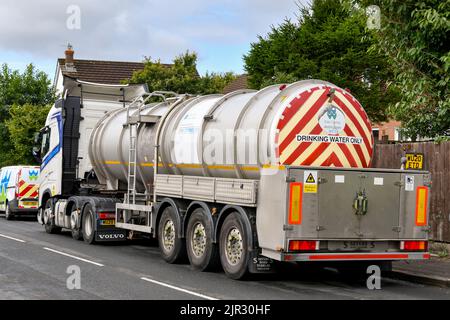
437 161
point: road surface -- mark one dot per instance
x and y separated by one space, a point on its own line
34 265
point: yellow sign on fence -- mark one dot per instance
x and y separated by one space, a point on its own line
414 161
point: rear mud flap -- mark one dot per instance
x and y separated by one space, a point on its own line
260 264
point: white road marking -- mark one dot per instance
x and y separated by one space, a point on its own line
74 257
179 289
11 238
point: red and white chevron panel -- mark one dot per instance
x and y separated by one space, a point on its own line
317 131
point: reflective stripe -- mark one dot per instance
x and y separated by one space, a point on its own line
198 166
301 118
358 256
421 206
295 203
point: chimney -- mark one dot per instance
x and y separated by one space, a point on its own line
69 61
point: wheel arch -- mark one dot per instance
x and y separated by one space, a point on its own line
244 214
45 196
178 206
209 208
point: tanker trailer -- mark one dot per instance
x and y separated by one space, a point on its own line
244 179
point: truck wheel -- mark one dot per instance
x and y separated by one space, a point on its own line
88 223
233 247
202 252
172 248
76 231
49 219
8 215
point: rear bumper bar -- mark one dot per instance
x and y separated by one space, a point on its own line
349 256
16 207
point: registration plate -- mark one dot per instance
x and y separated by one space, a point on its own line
29 203
107 222
359 244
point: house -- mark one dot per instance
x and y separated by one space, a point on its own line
241 82
387 131
98 71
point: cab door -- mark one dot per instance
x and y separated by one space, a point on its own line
51 153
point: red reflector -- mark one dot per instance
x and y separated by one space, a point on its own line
303 245
414 245
107 215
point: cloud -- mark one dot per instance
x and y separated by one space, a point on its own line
130 30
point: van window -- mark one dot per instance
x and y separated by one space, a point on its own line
30 175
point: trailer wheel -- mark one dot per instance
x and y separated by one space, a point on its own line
202 252
49 218
233 247
8 215
172 248
88 223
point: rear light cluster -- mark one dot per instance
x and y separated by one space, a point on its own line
104 215
303 245
414 245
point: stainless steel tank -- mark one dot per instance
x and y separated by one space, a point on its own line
239 135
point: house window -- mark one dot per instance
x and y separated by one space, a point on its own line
376 134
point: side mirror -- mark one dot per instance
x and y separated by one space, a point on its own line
37 146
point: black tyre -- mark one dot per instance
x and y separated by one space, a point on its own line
172 248
88 224
233 246
203 254
77 234
50 226
8 214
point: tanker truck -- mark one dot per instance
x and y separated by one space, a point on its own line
244 180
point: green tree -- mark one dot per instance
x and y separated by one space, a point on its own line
415 36
328 42
181 76
29 87
24 121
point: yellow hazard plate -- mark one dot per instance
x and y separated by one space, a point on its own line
29 203
107 222
310 182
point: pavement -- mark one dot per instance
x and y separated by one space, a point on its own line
39 266
435 271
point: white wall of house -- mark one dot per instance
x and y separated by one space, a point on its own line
58 80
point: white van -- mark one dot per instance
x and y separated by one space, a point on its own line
19 190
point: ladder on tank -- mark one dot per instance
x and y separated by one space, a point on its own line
133 122
135 202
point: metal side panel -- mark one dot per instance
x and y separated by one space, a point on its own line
383 194
199 188
169 185
407 223
236 191
271 211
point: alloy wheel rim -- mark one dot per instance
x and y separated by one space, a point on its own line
169 235
88 225
198 240
234 246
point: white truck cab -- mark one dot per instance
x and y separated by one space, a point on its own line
19 189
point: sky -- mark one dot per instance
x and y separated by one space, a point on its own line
220 31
